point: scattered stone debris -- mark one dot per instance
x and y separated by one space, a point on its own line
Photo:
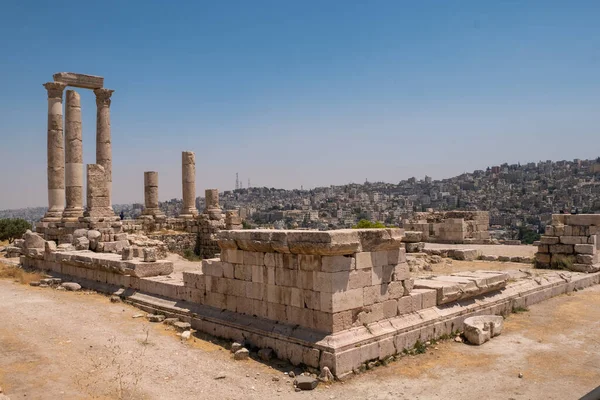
520 375
291 374
221 376
182 326
304 382
137 316
241 354
72 286
170 321
115 299
265 354
34 283
155 317
482 328
458 339
326 375
235 346
186 335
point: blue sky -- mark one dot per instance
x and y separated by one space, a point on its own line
305 93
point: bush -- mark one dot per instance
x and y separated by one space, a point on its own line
366 224
190 255
560 261
13 228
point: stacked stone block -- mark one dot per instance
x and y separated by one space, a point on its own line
571 242
452 226
325 281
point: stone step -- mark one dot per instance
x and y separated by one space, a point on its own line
463 285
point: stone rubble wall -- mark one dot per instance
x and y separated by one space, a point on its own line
455 227
325 281
571 242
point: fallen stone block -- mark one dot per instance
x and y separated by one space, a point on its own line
72 286
155 317
241 354
480 329
304 382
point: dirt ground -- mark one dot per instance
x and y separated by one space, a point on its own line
77 345
490 249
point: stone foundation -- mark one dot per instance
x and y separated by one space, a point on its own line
571 242
452 227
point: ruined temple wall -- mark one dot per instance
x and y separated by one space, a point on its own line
571 242
451 226
313 287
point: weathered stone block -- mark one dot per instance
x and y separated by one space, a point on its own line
342 301
233 256
549 240
584 249
337 263
562 248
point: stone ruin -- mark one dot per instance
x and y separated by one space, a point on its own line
338 299
571 242
451 227
67 218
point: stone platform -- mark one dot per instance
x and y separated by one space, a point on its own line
316 298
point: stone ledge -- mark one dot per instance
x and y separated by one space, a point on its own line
79 80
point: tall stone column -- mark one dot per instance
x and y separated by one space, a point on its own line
188 172
103 139
73 158
56 153
151 195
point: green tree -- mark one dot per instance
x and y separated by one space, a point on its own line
366 224
528 236
13 228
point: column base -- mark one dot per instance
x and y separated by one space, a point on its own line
100 212
52 216
188 213
72 214
155 213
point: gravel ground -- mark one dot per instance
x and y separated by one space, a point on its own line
76 345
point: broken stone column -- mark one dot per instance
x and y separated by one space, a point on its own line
188 172
56 153
73 158
213 209
151 194
98 201
103 137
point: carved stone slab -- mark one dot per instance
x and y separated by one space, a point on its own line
79 80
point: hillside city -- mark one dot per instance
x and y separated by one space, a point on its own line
517 195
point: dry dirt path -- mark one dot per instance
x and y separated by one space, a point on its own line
61 345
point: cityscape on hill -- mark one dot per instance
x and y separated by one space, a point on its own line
516 196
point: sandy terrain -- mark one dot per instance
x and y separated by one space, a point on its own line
57 344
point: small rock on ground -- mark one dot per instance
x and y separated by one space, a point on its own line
72 286
182 326
265 354
235 346
186 335
241 354
306 382
326 375
115 299
156 317
34 283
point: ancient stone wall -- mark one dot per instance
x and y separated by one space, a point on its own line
451 226
571 242
325 281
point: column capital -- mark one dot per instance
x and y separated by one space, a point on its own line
55 89
103 96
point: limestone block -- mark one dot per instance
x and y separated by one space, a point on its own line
49 247
305 279
253 258
549 240
233 256
480 329
338 263
543 248
584 249
149 254
308 262
573 239
405 305
401 272
382 274
80 233
562 248
33 241
586 259
81 243
363 260
242 272
412 237
341 301
79 80
396 256
371 313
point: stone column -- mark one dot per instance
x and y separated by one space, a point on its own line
98 204
188 172
56 153
103 139
73 158
151 194
213 209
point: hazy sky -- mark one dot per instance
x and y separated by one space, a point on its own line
312 93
